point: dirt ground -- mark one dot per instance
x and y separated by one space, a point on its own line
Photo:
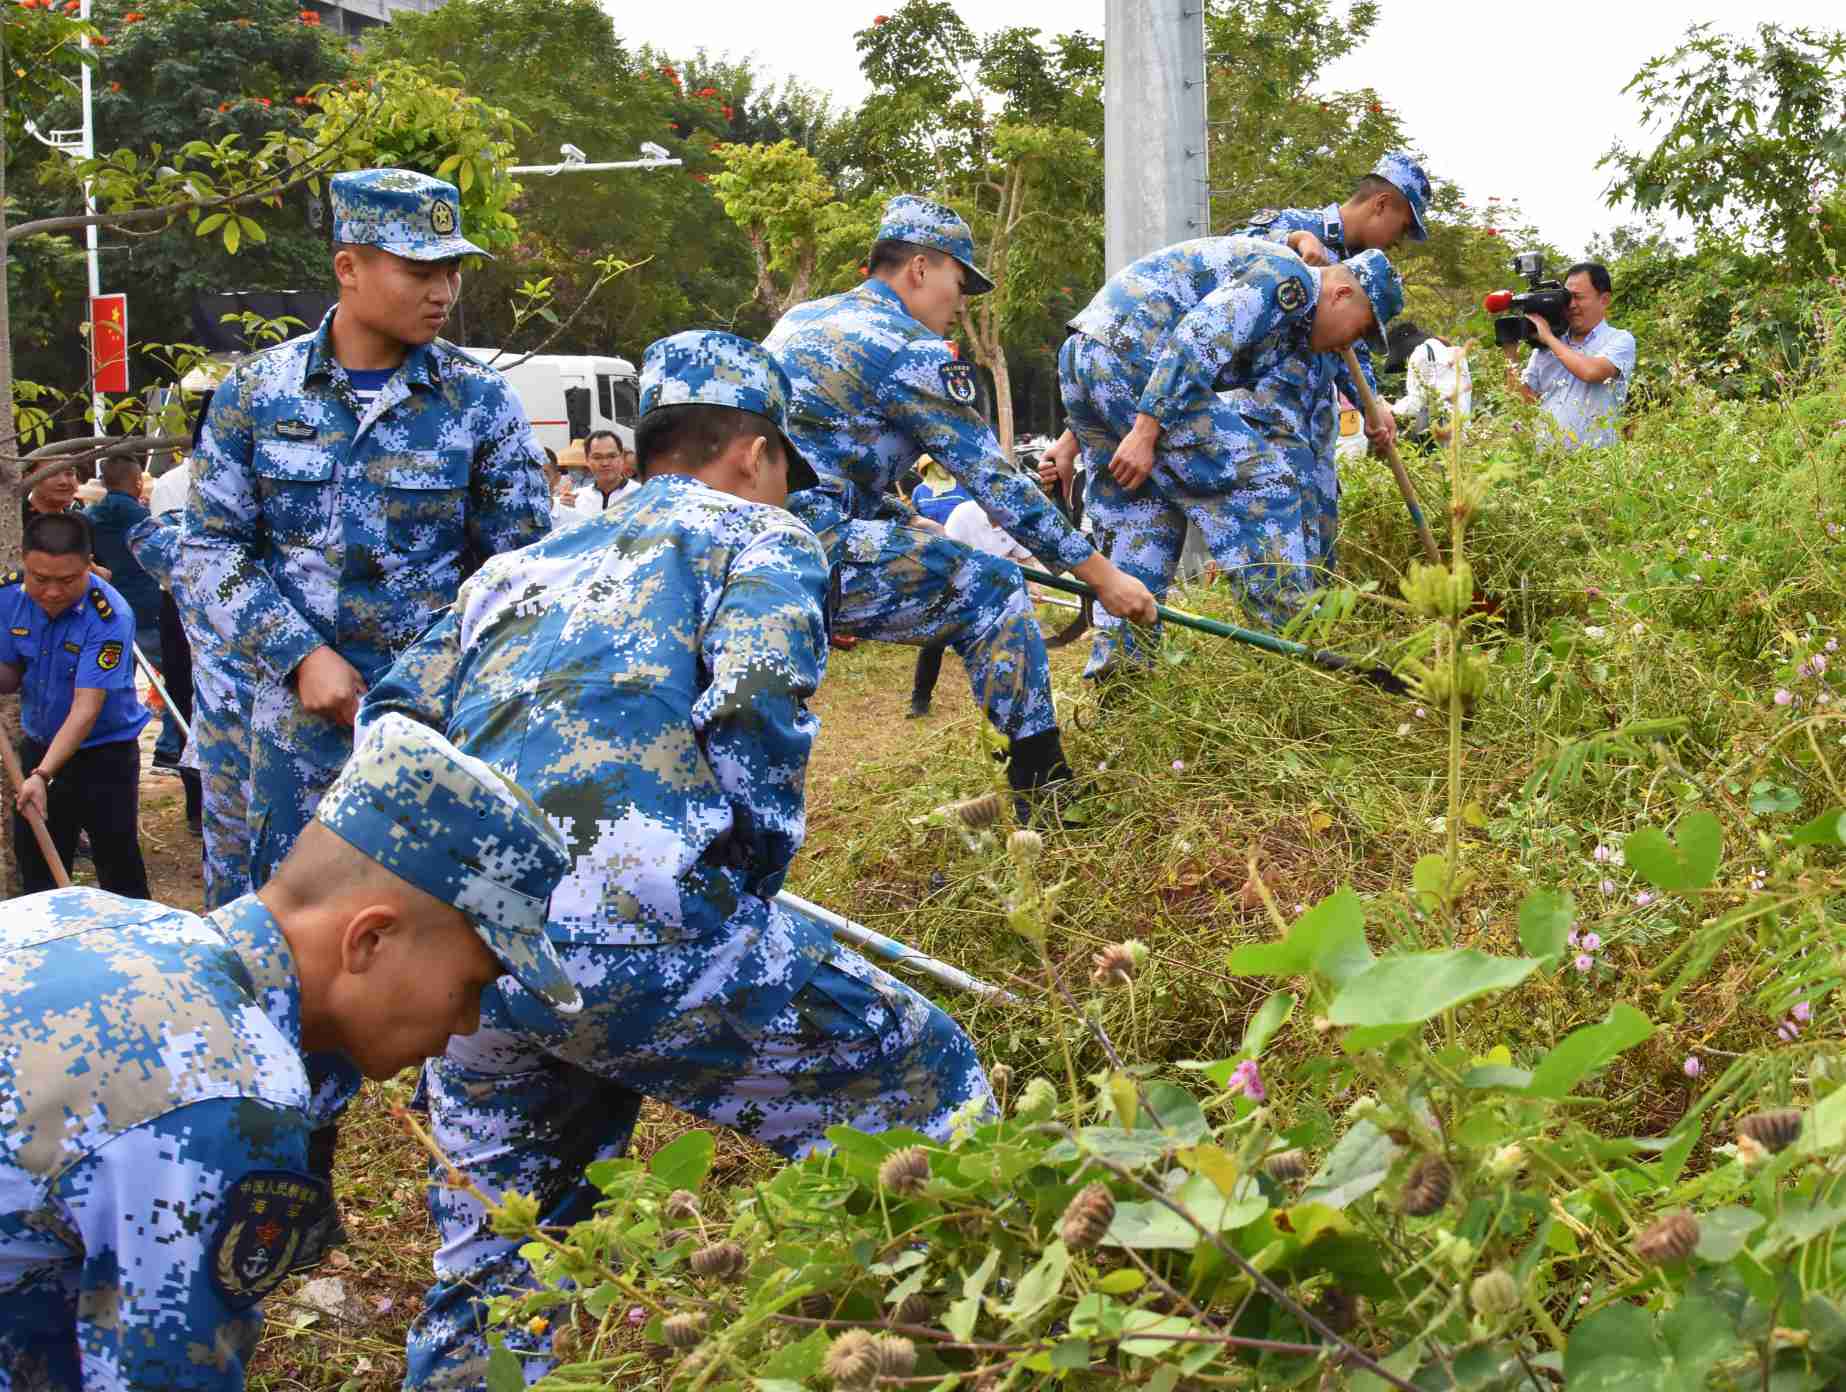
379 1173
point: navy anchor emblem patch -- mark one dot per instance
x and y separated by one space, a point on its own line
268 1216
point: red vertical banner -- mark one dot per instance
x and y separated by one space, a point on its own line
109 343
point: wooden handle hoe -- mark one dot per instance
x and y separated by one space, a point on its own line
1373 410
40 832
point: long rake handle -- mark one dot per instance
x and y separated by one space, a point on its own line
40 833
1268 642
891 950
1373 410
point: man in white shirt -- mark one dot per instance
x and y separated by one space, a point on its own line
1430 378
969 524
1581 379
611 473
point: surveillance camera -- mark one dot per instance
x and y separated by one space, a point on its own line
649 150
572 155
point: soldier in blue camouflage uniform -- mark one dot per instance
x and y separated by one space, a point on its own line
876 386
1191 381
223 689
346 483
645 675
154 1081
1388 205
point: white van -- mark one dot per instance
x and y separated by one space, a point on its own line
568 395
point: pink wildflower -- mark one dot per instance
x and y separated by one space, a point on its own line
1692 1066
1584 962
1246 1079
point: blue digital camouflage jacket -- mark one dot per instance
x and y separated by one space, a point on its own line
644 675
1275 225
311 525
1218 314
153 1160
874 389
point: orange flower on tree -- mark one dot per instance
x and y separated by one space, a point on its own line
133 17
309 17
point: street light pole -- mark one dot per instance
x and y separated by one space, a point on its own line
86 149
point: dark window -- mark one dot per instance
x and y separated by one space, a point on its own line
603 395
627 400
577 409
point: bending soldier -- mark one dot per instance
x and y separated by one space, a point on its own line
645 674
876 386
1141 378
154 1182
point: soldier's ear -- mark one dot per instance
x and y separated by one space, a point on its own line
363 939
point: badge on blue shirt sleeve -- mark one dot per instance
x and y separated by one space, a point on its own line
1263 217
110 656
958 382
268 1216
1291 294
295 430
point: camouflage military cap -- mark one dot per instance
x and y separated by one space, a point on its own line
702 367
924 222
1407 177
406 213
450 825
1383 287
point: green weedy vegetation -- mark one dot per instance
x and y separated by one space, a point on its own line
1483 1039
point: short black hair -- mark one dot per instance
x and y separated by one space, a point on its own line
1598 273
58 534
891 253
596 435
122 473
1373 184
695 433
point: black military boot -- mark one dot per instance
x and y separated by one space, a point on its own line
1042 781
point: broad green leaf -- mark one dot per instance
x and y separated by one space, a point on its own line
1697 1337
1147 1322
682 1163
504 1371
1825 1131
1215 1163
1828 829
1149 1226
1427 877
1123 1280
1403 1363
1201 1197
961 1315
1267 1020
1724 1232
1613 1349
1175 1111
233 235
1583 1051
798 1360
1071 1355
1038 1287
1544 919
1358 1164
1329 938
1690 864
1407 987
1122 1098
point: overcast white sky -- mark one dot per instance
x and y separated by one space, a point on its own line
1497 103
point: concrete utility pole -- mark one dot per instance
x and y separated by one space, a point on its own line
1154 159
1156 180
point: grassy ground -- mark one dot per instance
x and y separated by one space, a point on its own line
1683 577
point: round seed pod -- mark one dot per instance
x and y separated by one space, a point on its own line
1773 1131
722 1261
1086 1221
1428 1187
672 1237
1338 1309
1025 844
1286 1166
1494 1292
1113 966
1669 1239
683 1331
682 1206
896 1356
1000 1078
982 811
905 1171
815 1305
852 1361
915 1308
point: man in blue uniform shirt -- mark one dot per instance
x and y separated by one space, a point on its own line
156 1083
347 482
1388 205
1192 381
645 675
66 646
877 385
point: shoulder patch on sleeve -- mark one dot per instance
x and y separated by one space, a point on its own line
110 657
958 382
1263 217
12 577
268 1218
1291 294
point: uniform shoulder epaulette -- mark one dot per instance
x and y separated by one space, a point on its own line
1263 217
100 602
12 577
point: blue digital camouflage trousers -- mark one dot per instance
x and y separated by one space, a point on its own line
294 758
1320 510
220 751
901 584
1243 495
515 1109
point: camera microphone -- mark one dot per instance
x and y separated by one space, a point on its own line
1498 302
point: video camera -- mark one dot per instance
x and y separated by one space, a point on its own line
1547 299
